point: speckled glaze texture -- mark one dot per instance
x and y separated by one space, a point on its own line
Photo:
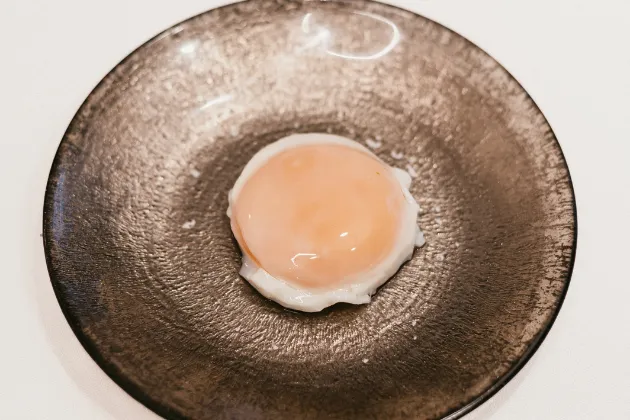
145 267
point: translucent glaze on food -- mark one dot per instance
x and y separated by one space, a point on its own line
321 220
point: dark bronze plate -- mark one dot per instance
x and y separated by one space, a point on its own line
157 300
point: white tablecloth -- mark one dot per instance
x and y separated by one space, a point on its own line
573 56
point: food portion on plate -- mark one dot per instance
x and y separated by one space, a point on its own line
320 220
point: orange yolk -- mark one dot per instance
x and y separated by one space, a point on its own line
318 215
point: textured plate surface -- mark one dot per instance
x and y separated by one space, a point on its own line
146 270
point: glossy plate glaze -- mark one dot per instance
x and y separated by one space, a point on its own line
145 268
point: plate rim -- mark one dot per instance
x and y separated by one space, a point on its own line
163 410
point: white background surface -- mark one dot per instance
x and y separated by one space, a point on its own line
573 56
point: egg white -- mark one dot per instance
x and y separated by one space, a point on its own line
364 285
